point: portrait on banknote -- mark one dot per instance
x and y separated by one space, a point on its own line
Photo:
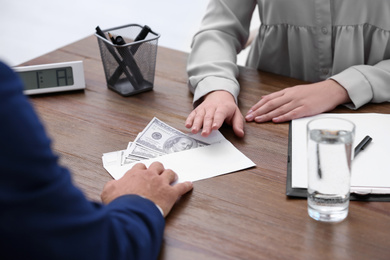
179 143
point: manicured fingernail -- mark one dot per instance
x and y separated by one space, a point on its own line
249 117
259 118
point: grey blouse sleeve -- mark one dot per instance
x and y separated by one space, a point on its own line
223 33
366 83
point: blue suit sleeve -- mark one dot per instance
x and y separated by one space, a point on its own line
42 214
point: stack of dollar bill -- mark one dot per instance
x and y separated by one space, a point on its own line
155 140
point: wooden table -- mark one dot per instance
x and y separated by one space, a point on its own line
244 215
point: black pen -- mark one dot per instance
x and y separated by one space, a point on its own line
122 66
100 32
363 144
141 36
143 33
111 38
126 54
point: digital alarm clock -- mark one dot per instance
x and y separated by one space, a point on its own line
49 78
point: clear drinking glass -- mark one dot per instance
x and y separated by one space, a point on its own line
329 168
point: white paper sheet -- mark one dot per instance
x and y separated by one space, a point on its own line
370 169
196 164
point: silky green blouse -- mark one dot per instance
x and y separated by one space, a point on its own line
311 40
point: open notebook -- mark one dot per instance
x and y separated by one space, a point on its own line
370 175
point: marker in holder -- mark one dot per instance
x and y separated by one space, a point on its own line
129 57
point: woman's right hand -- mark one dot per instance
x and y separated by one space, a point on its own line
217 107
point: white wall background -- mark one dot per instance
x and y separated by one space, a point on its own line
30 28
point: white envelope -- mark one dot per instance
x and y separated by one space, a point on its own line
196 164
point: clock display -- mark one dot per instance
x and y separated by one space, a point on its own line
53 77
47 78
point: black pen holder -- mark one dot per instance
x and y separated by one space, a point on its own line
129 60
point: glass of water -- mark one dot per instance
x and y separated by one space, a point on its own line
330 153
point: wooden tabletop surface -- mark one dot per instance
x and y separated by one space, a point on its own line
243 215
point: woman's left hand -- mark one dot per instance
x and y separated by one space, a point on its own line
298 101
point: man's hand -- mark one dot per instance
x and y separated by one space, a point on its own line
217 107
153 183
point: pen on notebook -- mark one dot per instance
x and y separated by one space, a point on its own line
363 144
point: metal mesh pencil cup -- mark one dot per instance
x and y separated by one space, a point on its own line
129 65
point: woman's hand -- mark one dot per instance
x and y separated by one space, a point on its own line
217 107
299 101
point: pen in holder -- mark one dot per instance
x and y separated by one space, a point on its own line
129 57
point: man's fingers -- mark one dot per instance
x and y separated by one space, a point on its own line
170 175
183 187
157 167
139 166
